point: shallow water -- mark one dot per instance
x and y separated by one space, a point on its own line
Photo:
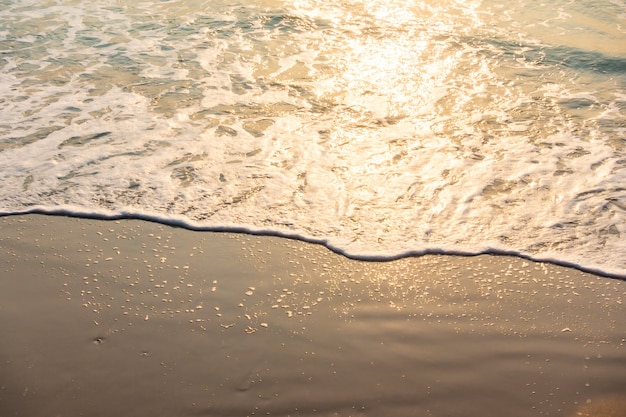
381 128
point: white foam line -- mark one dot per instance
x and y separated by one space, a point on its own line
176 221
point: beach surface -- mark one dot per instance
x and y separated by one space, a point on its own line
132 318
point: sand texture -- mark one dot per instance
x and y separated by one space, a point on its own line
130 318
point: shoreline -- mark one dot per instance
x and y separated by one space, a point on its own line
181 224
137 318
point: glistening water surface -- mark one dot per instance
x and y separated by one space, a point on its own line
381 128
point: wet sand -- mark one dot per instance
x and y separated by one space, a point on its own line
130 318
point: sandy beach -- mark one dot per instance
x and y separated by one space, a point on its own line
131 318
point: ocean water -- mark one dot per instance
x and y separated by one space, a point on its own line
380 128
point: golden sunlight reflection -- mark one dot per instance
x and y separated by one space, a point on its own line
395 63
391 69
397 13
